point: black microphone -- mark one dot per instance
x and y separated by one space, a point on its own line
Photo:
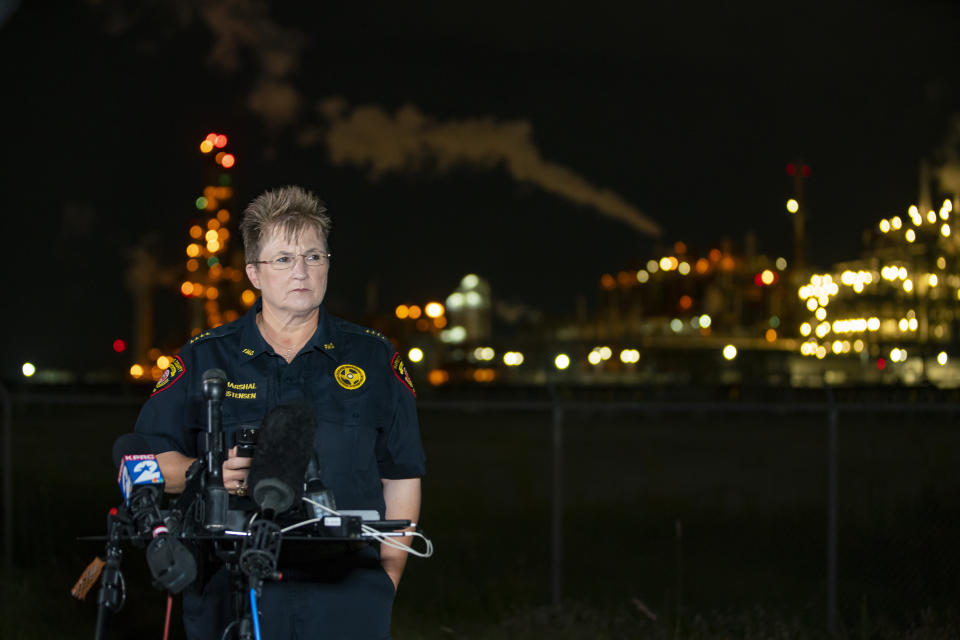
214 383
141 482
284 445
216 498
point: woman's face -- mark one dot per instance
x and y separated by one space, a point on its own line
299 289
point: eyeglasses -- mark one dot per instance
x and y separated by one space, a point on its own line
283 263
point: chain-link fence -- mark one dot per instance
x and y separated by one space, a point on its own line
838 514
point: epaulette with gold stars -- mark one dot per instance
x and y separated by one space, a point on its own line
203 335
374 332
350 327
214 333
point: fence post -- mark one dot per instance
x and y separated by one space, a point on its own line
557 508
7 479
832 488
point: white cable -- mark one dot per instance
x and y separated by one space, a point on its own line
382 537
301 524
384 540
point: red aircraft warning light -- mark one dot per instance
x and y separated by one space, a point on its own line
804 170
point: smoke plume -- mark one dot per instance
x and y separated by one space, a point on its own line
369 137
241 30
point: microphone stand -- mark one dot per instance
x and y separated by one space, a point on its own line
216 498
264 551
258 562
112 592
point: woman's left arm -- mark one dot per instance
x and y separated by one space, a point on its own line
402 497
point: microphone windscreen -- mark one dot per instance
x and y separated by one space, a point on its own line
214 385
129 444
214 375
284 446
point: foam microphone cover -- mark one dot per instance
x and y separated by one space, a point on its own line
284 445
129 444
214 384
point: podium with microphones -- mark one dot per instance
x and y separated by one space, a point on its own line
200 526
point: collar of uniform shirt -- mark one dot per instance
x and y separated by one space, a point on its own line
253 344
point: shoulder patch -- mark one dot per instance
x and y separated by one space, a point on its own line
400 370
171 374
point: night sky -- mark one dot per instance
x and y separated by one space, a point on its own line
534 144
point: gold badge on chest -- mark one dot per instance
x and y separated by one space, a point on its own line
350 376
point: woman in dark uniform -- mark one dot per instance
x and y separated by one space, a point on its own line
288 350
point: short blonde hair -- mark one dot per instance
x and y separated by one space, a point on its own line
288 210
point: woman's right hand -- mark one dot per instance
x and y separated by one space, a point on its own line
235 470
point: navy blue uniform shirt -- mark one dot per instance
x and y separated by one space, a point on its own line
351 376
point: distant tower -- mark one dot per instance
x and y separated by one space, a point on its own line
214 266
796 205
924 197
469 310
212 277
